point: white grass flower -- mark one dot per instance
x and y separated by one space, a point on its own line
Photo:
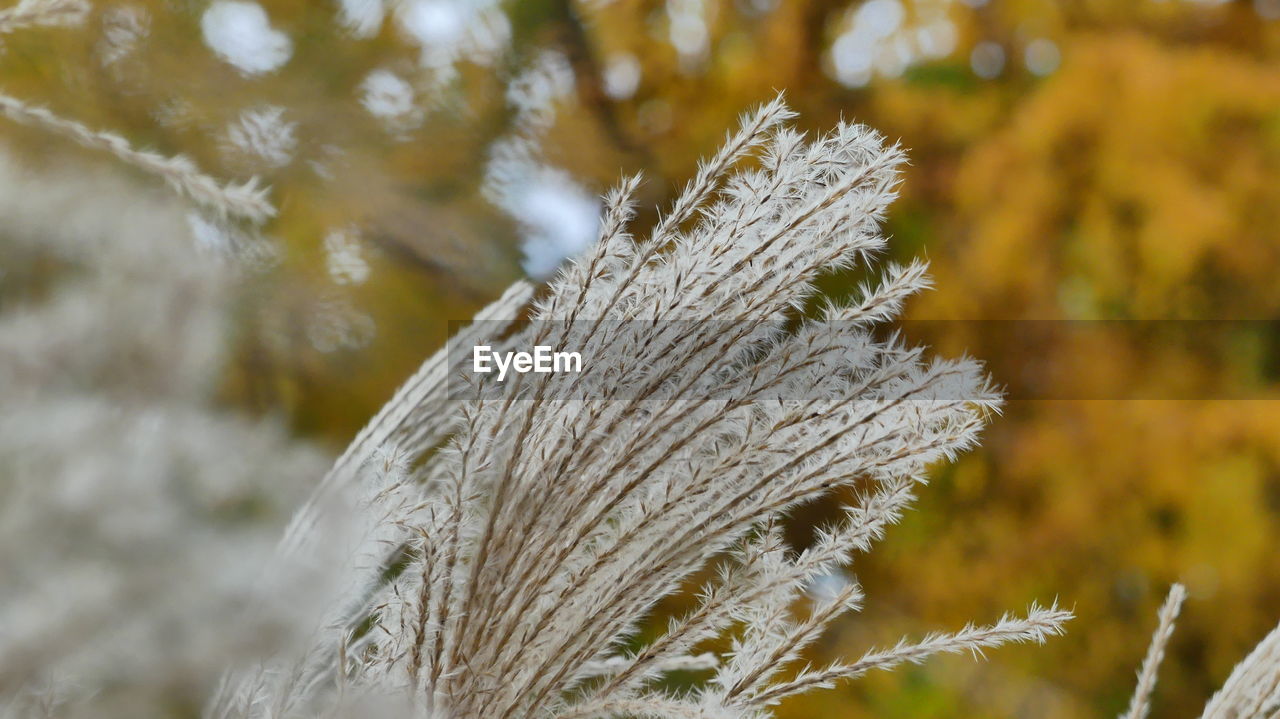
246 200
557 512
1253 689
1140 703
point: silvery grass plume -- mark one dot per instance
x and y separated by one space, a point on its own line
36 13
1251 692
514 550
1140 703
135 512
246 200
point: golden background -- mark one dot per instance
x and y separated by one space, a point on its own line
1120 161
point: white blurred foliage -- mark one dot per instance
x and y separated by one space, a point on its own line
335 324
241 34
343 257
362 17
622 76
222 239
210 236
42 13
885 37
688 30
758 7
390 98
828 586
448 31
123 27
136 517
174 113
534 93
557 216
1042 56
987 59
261 137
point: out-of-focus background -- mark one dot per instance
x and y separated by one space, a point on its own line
1081 159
